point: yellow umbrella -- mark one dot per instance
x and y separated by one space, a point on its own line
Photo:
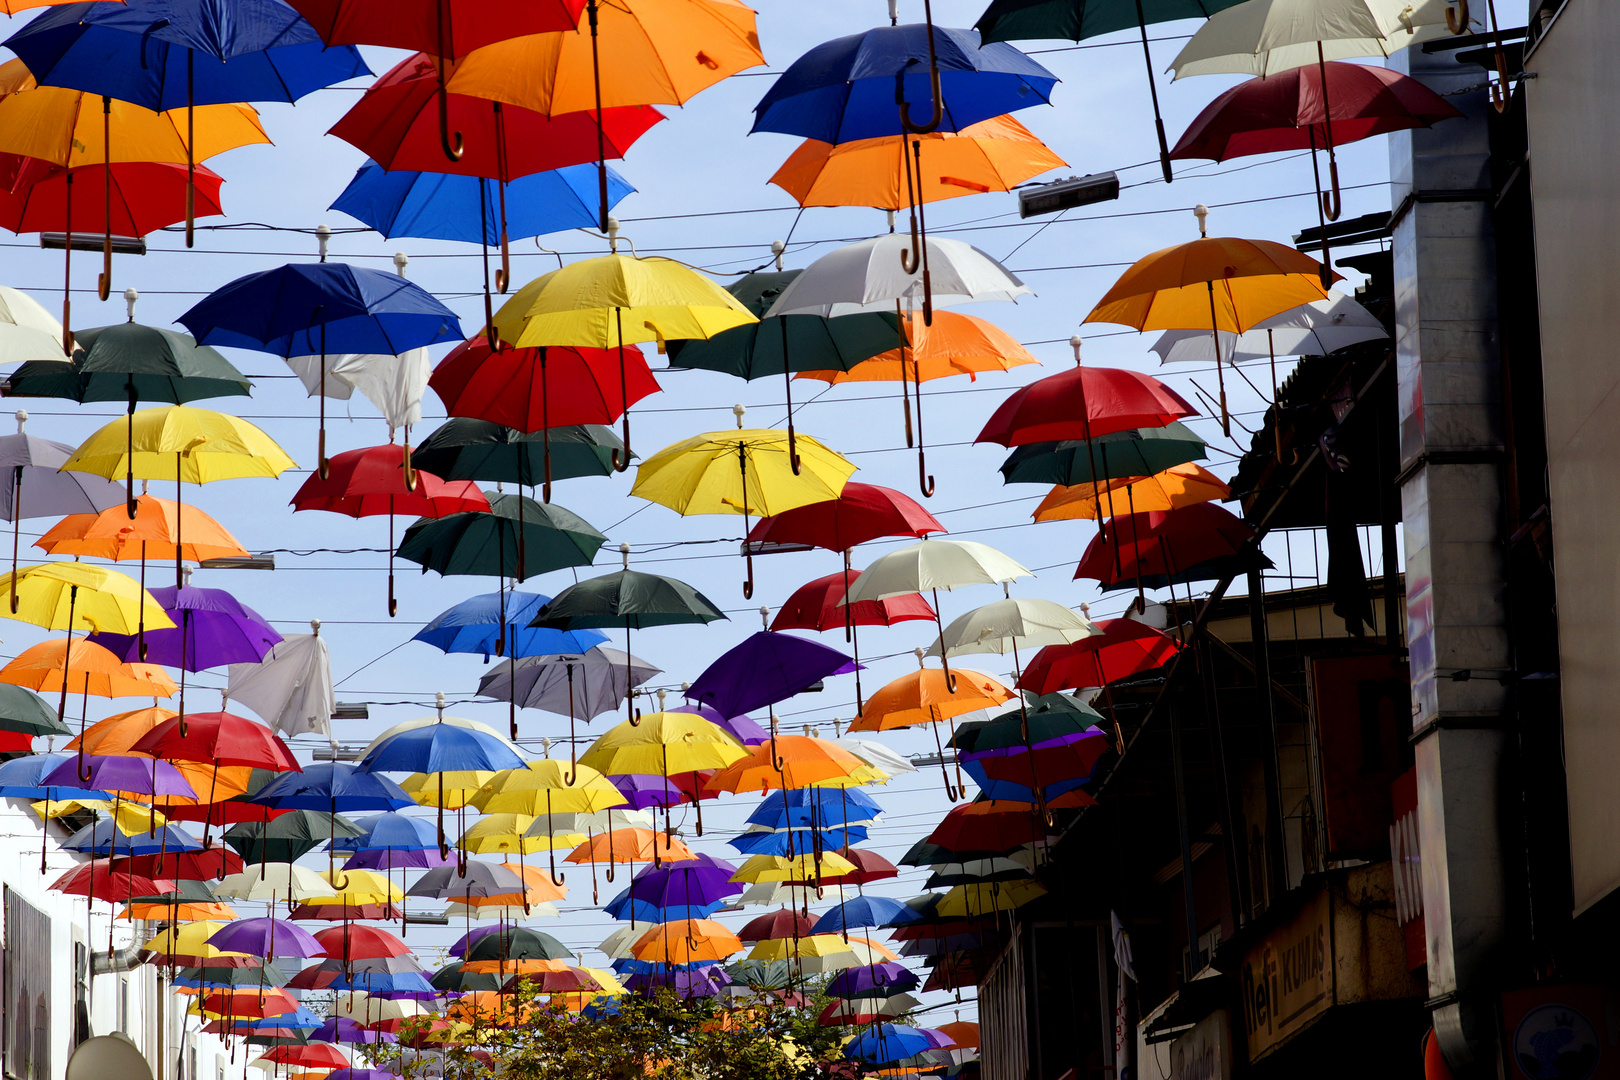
458 788
792 868
70 128
993 155
190 940
614 300
664 744
355 888
759 471
987 897
545 787
128 818
1175 487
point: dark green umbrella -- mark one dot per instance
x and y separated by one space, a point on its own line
220 977
629 599
451 978
1051 716
785 344
288 837
466 449
1076 20
130 362
518 538
517 943
25 711
1136 452
186 891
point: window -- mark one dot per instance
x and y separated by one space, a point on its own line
25 991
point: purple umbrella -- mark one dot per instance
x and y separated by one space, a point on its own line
341 1029
642 790
706 981
741 728
691 883
875 980
361 1074
390 859
111 772
766 668
268 938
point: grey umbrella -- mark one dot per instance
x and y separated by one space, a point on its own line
33 487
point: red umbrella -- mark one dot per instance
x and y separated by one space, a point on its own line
869 866
774 925
1290 111
403 122
222 813
985 826
221 738
100 880
539 389
814 606
1162 547
145 196
254 1003
339 912
380 480
183 865
440 27
861 512
1124 648
316 1054
360 943
1083 403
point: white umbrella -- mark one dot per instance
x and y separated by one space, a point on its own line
272 881
291 687
876 754
543 909
1009 625
934 565
597 685
775 893
27 330
362 1008
394 384
1315 329
872 275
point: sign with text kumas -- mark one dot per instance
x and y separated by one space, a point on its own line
1288 978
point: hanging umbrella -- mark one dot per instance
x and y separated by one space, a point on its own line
475 626
997 154
1315 329
663 744
764 669
71 128
543 789
1008 625
781 346
581 684
438 745
380 480
25 712
145 196
1175 487
1132 452
394 384
305 309
887 1044
686 941
1201 542
39 489
516 537
924 697
1123 649
588 304
291 687
1083 403
1278 35
750 470
628 598
443 27
651 42
774 926
934 565
27 330
815 606
288 836
466 449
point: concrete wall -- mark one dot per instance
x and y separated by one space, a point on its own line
1575 185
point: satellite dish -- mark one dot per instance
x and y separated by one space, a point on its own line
108 1055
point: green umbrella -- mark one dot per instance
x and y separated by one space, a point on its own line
785 344
1050 716
517 943
630 599
186 891
288 837
130 362
465 449
1076 20
24 711
518 538
1137 452
219 977
451 978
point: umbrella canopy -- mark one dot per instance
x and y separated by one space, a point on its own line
210 627
923 697
581 684
775 925
332 786
952 344
815 606
1083 403
158 525
792 761
1249 280
632 846
1123 649
765 668
27 330
517 537
934 565
466 449
1316 329
1177 486
626 598
78 596
686 941
447 206
183 443
741 472
442 744
379 480
1129 453
867 276
38 488
131 362
887 1044
474 626
219 738
266 937
394 384
864 911
1278 35
84 668
1163 546
291 687
25 712
543 788
996 154
848 88
451 28
288 836
662 744
1008 625
860 513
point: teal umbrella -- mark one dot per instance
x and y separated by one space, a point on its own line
466 449
517 538
1135 452
784 344
24 711
131 362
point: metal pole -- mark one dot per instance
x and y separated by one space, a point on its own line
1259 636
1189 901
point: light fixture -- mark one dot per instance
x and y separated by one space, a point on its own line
239 562
121 245
1066 194
346 710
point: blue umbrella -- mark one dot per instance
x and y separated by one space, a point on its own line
305 309
382 982
887 1044
22 778
331 786
627 908
863 911
790 842
298 1018
471 209
1011 791
474 626
816 807
389 832
441 747
163 54
844 89
105 838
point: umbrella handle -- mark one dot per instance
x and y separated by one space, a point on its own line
748 584
1499 88
906 123
925 479
450 142
608 873
1332 204
1457 18
411 476
503 276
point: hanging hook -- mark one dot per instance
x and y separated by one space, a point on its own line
450 142
1457 18
938 114
776 759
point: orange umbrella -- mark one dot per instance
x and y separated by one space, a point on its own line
95 671
793 761
630 845
954 344
541 885
992 155
1214 282
925 697
686 941
118 734
525 966
663 52
1175 487
112 534
194 911
488 1008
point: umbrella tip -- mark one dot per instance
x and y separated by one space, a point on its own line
613 234
777 247
765 616
315 625
323 234
1075 341
130 296
22 418
1201 212
438 702
545 747
401 261
738 410
624 553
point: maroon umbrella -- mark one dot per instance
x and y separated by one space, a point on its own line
782 923
1163 548
1315 107
1124 648
814 606
1083 403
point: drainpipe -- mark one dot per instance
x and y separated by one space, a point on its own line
1447 349
120 960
